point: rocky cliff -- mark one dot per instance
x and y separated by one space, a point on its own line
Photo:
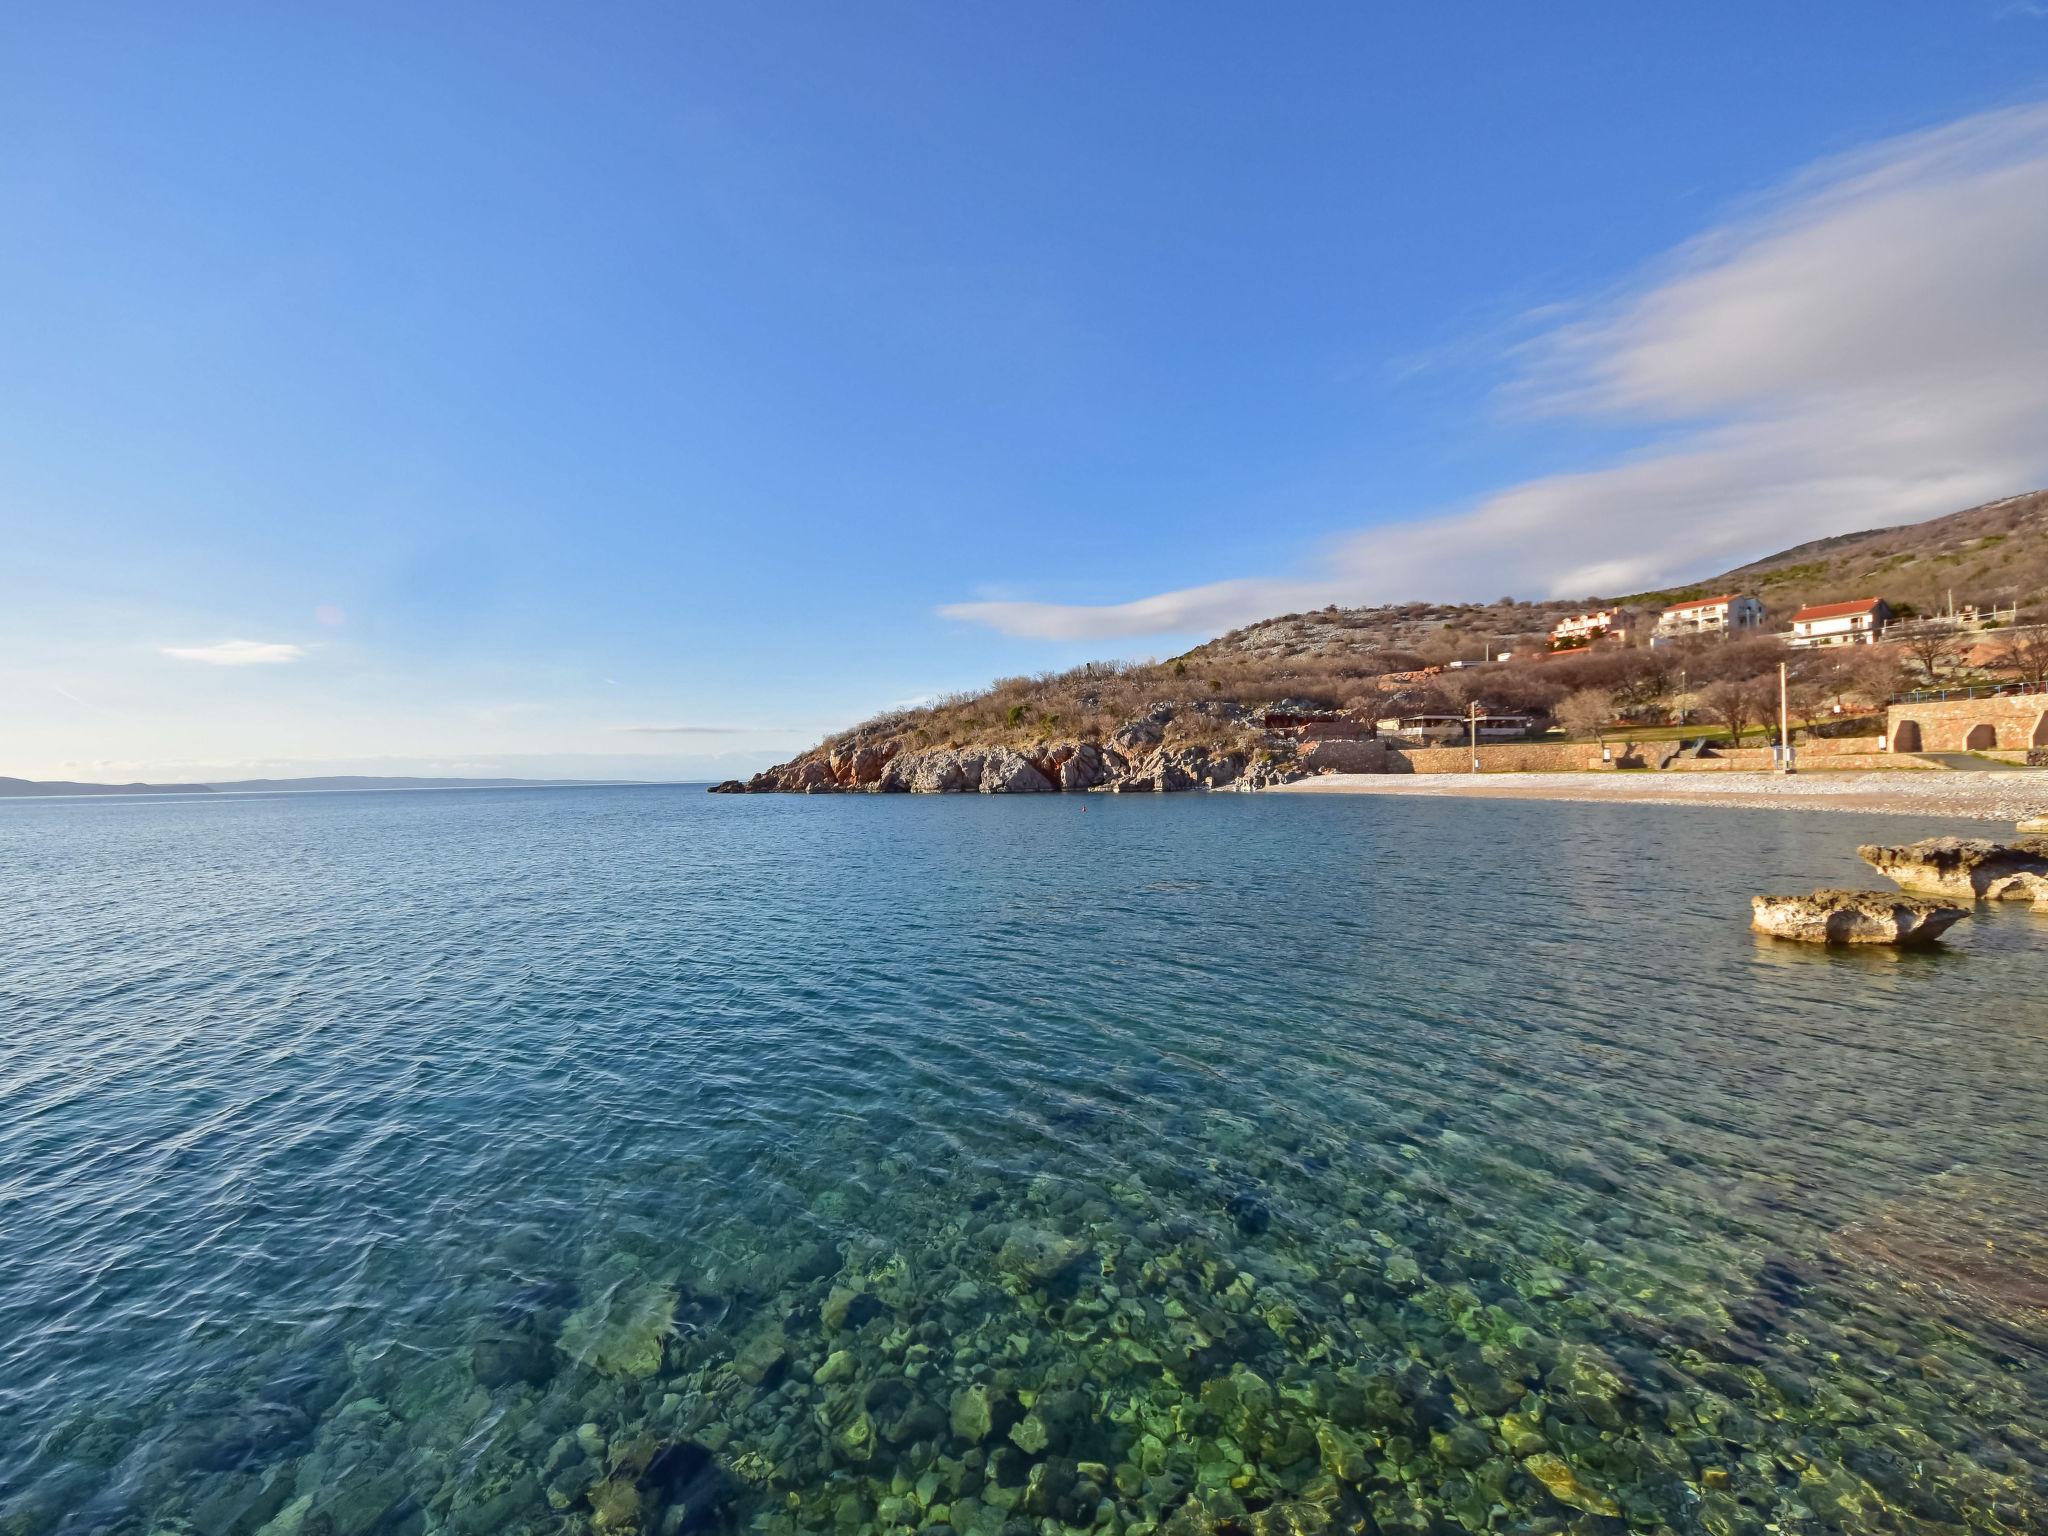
1171 746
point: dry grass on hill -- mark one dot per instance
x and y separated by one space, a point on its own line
1996 554
1335 658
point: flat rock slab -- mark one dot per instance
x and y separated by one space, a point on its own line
1853 917
1965 868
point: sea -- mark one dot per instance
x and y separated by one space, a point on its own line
632 1159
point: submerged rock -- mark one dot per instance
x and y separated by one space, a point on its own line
1034 1256
1852 917
517 1360
1965 868
973 1414
624 1332
1564 1485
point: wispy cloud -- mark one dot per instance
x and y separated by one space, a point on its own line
236 653
1865 347
707 730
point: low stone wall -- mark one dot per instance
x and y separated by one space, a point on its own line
1583 757
1761 760
1332 730
1340 755
1727 760
1505 757
2005 722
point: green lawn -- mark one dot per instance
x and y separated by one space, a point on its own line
1756 735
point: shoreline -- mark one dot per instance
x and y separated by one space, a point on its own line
1989 796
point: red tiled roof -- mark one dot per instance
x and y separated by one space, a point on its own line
1837 610
1704 602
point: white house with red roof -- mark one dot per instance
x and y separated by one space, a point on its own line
1730 614
1584 628
1853 623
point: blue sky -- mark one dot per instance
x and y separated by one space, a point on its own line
648 389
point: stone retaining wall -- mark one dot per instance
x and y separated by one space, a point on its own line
2006 722
1581 757
1504 757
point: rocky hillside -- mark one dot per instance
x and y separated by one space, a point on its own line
1996 554
1295 695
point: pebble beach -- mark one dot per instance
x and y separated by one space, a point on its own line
1991 796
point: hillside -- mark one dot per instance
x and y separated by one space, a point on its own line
1225 710
1993 554
40 787
27 787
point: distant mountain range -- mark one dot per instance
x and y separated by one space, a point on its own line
22 787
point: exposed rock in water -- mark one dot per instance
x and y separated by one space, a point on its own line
1852 917
1011 773
1966 868
1209 744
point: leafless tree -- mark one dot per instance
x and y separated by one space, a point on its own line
1468 685
1932 651
1737 703
1837 686
1875 673
1586 713
2026 653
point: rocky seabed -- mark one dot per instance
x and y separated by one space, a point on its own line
1263 1343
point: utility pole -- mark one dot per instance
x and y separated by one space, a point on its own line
1472 725
1784 723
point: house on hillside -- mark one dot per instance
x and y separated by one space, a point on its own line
1584 628
1854 623
1729 614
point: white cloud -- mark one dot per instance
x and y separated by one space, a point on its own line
1866 347
236 653
706 730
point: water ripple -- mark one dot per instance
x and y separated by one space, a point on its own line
363 1157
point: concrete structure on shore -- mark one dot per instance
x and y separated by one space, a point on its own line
2001 722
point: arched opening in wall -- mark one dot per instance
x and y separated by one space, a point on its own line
1907 737
1981 738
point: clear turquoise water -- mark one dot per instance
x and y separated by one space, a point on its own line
641 1160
